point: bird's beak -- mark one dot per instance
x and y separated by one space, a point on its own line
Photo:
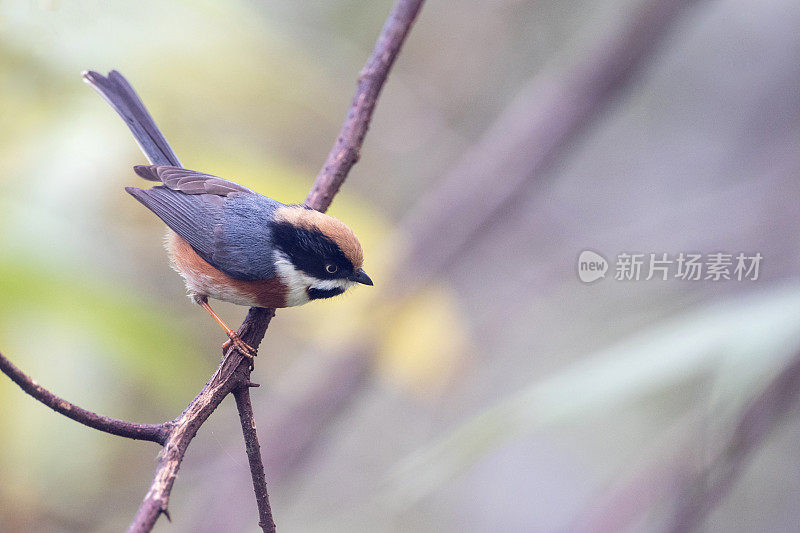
359 276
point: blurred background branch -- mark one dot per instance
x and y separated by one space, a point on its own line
702 493
671 473
542 121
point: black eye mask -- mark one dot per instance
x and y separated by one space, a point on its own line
311 251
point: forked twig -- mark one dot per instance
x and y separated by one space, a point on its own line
233 374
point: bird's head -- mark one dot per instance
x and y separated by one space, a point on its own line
316 255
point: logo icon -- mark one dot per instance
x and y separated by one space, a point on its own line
591 266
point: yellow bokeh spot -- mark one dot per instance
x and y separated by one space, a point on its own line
423 342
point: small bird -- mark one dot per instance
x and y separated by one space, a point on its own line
228 242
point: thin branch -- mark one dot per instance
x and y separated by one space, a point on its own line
233 372
347 149
245 407
153 432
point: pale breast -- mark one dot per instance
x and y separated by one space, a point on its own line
203 279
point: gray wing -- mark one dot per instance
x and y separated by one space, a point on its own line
224 222
189 181
191 217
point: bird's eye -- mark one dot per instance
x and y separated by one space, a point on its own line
331 268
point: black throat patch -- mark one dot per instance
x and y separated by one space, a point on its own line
318 294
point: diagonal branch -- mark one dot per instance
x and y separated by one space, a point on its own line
669 472
541 123
755 423
233 374
347 149
153 432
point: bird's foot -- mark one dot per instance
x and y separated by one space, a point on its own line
243 348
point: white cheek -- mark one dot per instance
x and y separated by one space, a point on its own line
327 284
299 282
295 280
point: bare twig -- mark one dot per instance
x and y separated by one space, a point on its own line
233 374
326 185
245 407
153 432
347 149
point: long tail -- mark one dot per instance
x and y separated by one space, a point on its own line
116 90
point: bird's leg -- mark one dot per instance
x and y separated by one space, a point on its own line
240 345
